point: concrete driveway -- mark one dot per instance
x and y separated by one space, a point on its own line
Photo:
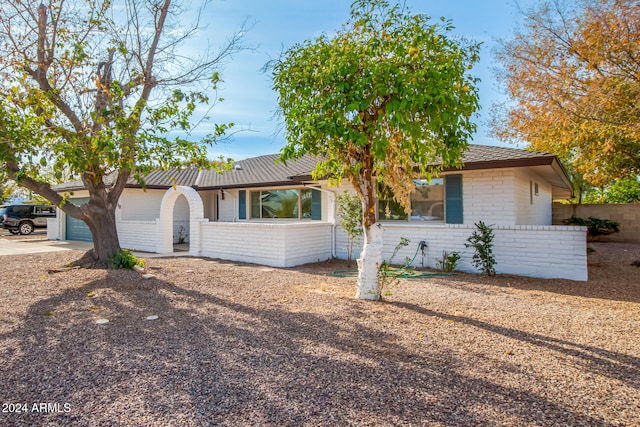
22 247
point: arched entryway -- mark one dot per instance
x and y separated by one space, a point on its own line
196 216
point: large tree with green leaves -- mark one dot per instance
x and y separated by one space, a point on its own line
386 98
93 88
573 75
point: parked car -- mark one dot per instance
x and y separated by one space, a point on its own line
24 219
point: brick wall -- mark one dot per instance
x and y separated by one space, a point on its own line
283 244
138 235
526 250
626 214
489 194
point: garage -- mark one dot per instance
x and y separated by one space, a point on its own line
76 229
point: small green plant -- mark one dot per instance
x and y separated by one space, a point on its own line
125 259
481 240
350 211
388 275
595 226
449 261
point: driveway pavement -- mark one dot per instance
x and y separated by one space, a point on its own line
14 245
21 247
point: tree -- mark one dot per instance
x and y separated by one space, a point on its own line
573 76
386 98
93 89
625 190
5 193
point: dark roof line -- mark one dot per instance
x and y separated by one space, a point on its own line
266 170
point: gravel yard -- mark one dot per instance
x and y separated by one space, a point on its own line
239 344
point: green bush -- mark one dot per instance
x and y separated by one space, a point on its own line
125 259
481 240
388 275
449 261
350 211
595 226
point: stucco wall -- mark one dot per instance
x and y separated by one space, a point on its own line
138 205
228 208
209 203
532 208
181 220
626 214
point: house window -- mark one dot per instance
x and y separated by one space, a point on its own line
282 204
427 203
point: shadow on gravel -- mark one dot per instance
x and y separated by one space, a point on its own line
617 366
211 361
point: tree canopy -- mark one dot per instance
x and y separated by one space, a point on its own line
625 190
573 77
93 89
388 93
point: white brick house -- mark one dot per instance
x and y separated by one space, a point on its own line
268 213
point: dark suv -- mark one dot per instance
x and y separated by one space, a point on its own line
24 218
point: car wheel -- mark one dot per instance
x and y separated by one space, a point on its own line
25 228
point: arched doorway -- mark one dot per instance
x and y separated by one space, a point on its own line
196 216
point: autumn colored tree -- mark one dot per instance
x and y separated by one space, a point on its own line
573 75
383 100
92 88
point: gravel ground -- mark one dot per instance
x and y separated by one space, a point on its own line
239 344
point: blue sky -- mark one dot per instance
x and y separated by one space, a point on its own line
278 24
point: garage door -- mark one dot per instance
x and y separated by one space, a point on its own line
76 229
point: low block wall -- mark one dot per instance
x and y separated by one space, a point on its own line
276 245
53 229
626 214
138 235
536 251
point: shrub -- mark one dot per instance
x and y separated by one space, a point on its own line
125 259
449 261
595 226
482 242
388 275
350 211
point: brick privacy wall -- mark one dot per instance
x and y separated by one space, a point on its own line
551 252
626 214
273 244
138 235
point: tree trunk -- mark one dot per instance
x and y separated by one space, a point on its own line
100 216
371 255
369 263
102 223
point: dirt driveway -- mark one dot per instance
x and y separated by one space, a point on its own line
239 344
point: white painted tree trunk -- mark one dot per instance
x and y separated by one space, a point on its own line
369 263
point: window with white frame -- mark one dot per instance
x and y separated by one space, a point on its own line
283 204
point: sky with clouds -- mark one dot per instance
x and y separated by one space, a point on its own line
249 100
